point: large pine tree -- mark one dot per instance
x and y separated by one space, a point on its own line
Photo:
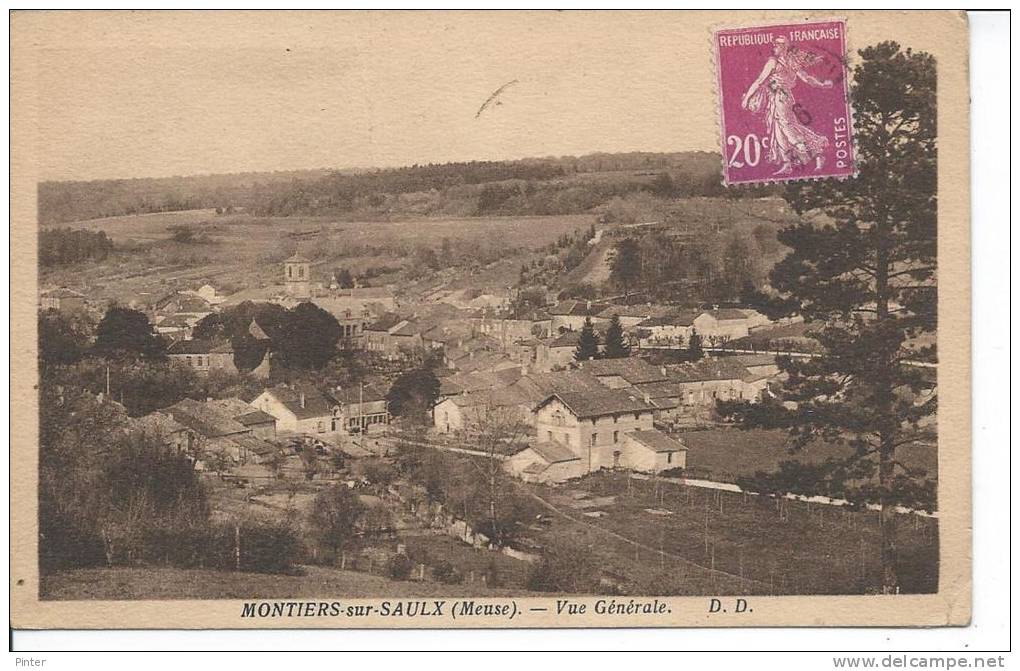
616 345
865 272
588 343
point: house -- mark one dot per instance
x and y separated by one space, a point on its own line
722 324
602 428
757 364
507 329
208 293
570 314
652 451
671 330
177 326
558 352
260 423
632 315
544 462
63 299
301 409
218 431
363 408
466 412
182 302
309 410
393 336
703 382
172 434
204 356
623 372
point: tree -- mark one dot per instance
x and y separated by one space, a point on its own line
125 332
310 335
343 278
694 350
566 566
413 394
587 343
104 488
499 508
869 277
63 338
616 345
625 266
334 516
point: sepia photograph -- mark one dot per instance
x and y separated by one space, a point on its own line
428 319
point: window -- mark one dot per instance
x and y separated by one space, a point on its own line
188 360
669 457
616 436
549 435
290 271
637 417
566 438
594 439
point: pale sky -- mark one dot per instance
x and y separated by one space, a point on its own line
158 94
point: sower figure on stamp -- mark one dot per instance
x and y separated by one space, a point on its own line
790 141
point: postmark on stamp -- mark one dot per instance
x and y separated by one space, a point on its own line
784 102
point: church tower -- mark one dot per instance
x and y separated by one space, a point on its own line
296 276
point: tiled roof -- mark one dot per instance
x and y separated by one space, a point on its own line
538 386
297 258
656 441
200 347
659 390
567 339
709 369
576 308
634 311
385 322
354 394
554 453
596 403
632 369
678 318
316 402
727 314
754 360
158 423
205 418
178 321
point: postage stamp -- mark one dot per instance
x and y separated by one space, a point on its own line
784 102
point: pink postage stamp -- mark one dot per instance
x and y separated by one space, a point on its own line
784 102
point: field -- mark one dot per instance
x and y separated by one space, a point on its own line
665 538
238 251
727 454
110 584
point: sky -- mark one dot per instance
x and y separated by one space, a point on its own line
131 98
152 94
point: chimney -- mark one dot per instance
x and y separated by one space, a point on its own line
302 399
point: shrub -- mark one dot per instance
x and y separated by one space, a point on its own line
400 567
445 573
566 566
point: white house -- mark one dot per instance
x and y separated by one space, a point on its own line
301 410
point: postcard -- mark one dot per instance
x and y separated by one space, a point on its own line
489 319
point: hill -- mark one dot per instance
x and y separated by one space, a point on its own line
535 186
